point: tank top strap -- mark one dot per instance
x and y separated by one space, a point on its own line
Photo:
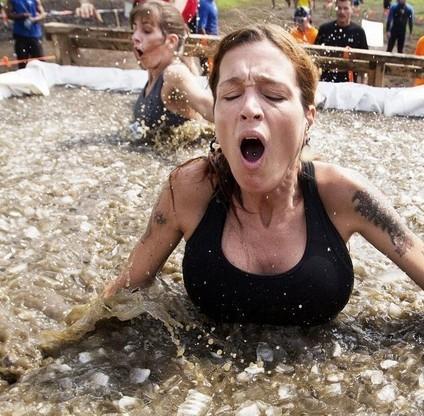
319 226
156 89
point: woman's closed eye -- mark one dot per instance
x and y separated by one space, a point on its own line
230 97
274 95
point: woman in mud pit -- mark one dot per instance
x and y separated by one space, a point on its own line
266 232
172 94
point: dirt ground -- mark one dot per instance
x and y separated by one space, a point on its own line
256 11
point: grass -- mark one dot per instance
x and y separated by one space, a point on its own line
375 5
372 9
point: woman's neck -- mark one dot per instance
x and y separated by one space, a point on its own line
154 73
279 202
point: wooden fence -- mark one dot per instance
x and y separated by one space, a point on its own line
68 38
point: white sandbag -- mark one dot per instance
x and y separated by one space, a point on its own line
405 102
351 96
30 80
39 76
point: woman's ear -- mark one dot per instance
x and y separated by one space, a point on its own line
310 115
172 41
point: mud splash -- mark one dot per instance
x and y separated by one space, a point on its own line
76 195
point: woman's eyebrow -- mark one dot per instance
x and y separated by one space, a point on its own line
262 79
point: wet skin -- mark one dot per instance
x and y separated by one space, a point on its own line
258 97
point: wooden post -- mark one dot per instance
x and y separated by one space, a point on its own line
63 49
376 74
379 74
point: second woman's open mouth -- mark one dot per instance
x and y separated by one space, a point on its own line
252 149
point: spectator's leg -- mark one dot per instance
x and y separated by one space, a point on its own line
192 24
391 42
401 42
21 50
35 48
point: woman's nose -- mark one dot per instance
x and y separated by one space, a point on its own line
251 108
135 38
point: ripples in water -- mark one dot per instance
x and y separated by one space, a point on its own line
76 195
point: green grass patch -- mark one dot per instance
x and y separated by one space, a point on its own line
231 4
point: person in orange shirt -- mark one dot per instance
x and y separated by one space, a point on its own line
303 32
420 51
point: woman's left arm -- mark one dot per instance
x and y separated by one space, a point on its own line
362 208
182 90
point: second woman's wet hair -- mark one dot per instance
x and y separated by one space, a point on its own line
167 16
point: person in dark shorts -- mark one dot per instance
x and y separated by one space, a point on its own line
266 232
400 14
341 32
27 31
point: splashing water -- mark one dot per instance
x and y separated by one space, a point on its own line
76 196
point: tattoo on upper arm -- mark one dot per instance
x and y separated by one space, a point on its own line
370 209
160 218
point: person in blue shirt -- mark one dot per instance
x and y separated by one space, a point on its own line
399 15
208 18
27 31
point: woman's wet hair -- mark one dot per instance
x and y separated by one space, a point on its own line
306 76
166 15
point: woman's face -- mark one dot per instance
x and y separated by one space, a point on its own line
149 43
259 118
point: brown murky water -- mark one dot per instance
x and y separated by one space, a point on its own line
76 195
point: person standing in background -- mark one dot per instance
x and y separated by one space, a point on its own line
208 18
341 32
386 6
87 10
3 16
303 32
306 4
207 25
419 50
399 15
27 31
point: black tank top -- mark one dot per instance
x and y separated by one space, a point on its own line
151 110
313 292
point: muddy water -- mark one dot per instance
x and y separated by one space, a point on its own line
75 196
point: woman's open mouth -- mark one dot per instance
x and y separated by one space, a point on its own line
138 52
252 149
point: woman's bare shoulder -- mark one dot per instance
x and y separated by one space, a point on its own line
192 175
175 72
192 187
338 187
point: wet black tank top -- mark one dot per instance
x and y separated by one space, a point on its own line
313 292
151 110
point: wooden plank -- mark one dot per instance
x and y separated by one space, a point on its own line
94 43
404 71
365 54
68 38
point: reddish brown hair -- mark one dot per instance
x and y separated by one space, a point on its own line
306 76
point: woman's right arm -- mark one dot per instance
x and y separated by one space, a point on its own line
161 237
176 213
